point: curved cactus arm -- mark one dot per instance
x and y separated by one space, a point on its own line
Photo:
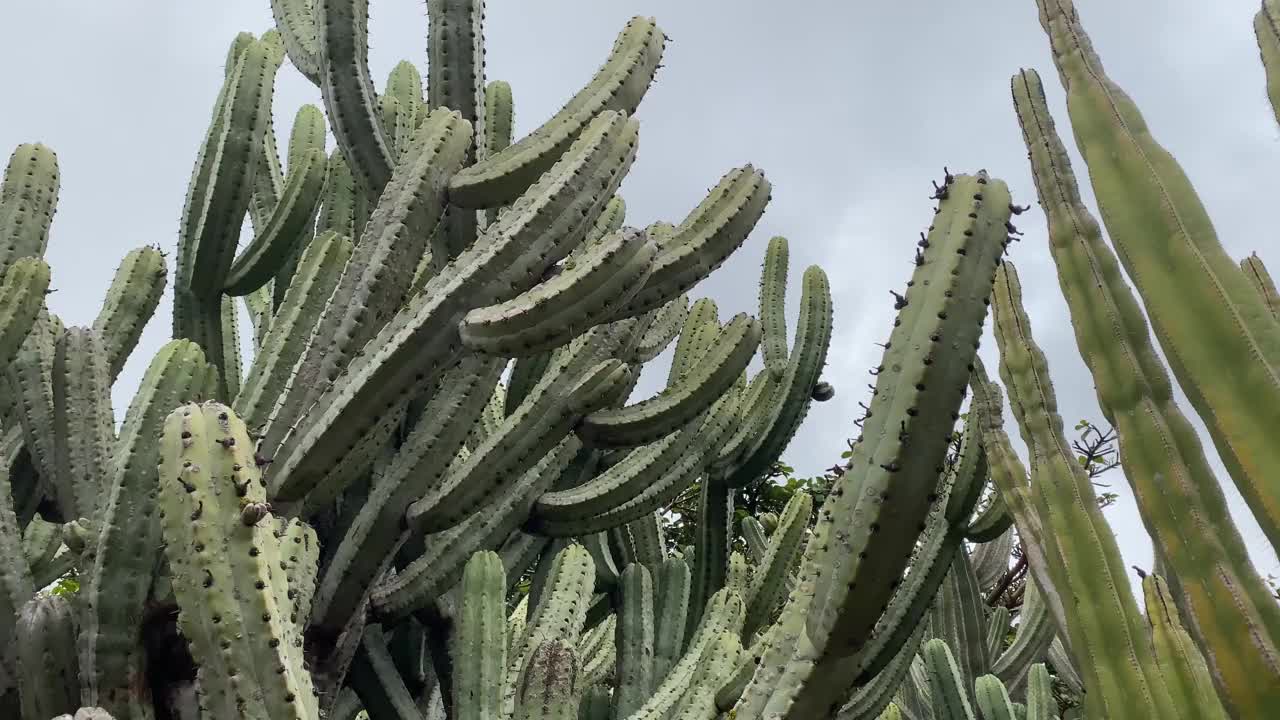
22 291
607 572
375 280
1266 26
546 420
338 206
309 290
526 372
135 292
16 586
773 298
26 394
649 540
706 238
228 363
267 175
768 585
946 683
293 216
957 617
1261 280
634 641
221 184
900 453
83 423
1221 341
1107 635
45 638
480 648
28 199
717 668
441 562
875 696
756 539
618 86
421 461
793 394
1181 662
687 467
585 293
991 558
1230 609
296 21
350 100
226 568
515 252
991 521
714 373
378 681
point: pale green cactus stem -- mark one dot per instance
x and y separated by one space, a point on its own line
1108 637
28 199
1181 662
1041 704
46 643
121 559
548 685
946 683
1222 343
1230 609
1260 278
837 603
773 288
131 300
16 585
1266 27
874 698
27 385
22 293
671 608
377 681
993 699
83 422
634 641
227 569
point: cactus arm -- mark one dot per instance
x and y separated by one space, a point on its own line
666 324
276 241
268 178
872 698
27 396
230 365
681 402
1260 278
312 284
439 565
672 607
525 374
1221 342
1040 702
900 453
650 543
338 207
548 685
957 618
350 100
607 572
131 300
773 296
421 460
618 86
553 312
45 638
22 291
1230 609
83 423
375 280
1181 662
226 569
422 334
706 238
480 660
16 586
991 558
768 585
634 641
296 21
122 556
1107 635
28 199
712 535
1036 630
699 701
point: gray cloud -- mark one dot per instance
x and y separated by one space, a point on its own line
851 108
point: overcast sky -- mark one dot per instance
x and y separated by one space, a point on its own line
851 108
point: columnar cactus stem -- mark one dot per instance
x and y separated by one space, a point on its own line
1230 609
1222 343
1266 26
132 299
1108 637
1261 280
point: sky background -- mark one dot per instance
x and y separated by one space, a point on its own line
851 108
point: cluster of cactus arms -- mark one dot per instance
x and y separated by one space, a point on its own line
429 494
